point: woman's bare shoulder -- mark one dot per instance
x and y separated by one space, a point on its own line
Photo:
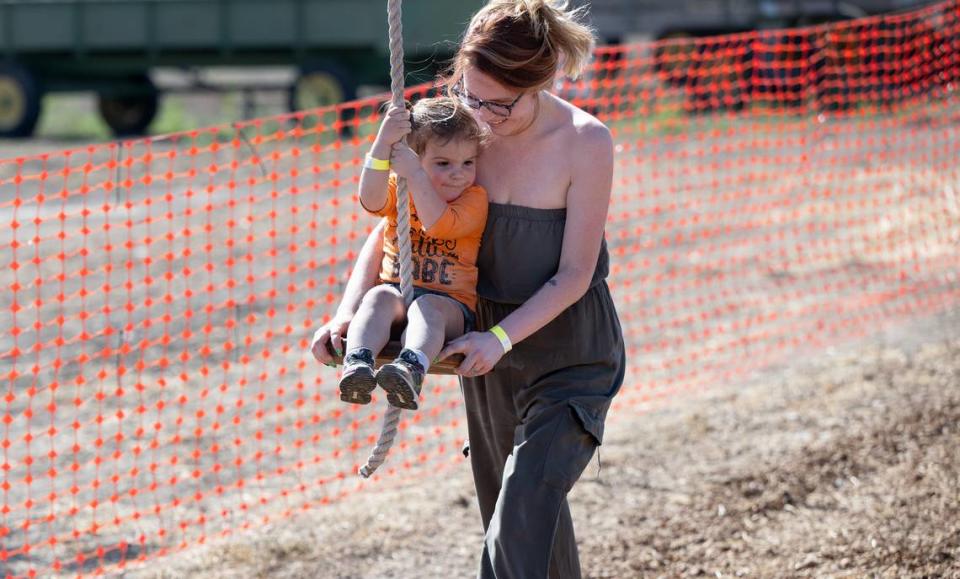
581 127
589 151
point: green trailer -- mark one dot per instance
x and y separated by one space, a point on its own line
110 46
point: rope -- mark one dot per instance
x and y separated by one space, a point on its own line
392 415
391 418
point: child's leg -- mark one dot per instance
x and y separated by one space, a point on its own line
369 332
432 320
370 328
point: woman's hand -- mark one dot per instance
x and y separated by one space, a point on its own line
329 340
481 350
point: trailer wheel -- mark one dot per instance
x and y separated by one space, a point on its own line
129 110
323 85
320 85
20 101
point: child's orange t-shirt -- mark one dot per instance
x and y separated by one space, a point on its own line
445 255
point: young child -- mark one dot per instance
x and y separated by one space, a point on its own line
447 216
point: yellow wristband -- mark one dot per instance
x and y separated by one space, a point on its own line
370 162
503 337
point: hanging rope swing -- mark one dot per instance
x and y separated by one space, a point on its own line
391 417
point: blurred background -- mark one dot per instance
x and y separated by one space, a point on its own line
91 70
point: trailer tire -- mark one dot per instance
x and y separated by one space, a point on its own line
129 113
20 101
322 85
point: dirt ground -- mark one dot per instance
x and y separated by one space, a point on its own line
844 464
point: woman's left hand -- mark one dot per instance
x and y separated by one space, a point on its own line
481 350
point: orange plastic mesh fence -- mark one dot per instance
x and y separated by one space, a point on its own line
774 192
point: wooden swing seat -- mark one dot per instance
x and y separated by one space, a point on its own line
392 350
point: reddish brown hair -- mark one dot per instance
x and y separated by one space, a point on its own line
524 43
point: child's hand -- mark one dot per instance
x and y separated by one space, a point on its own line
404 162
395 126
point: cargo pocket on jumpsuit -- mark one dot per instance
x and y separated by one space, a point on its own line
575 439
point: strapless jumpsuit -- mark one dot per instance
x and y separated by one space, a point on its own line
535 421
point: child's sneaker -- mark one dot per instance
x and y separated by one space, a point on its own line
358 379
401 379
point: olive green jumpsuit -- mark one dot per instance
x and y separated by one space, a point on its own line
536 419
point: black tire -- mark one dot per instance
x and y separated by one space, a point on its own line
321 85
129 110
20 101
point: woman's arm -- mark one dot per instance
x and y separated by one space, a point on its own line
588 200
363 277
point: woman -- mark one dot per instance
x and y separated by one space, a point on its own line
535 413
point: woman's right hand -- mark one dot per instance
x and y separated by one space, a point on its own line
329 340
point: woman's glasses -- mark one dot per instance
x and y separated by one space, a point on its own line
498 109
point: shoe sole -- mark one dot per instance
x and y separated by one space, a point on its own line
356 387
399 392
